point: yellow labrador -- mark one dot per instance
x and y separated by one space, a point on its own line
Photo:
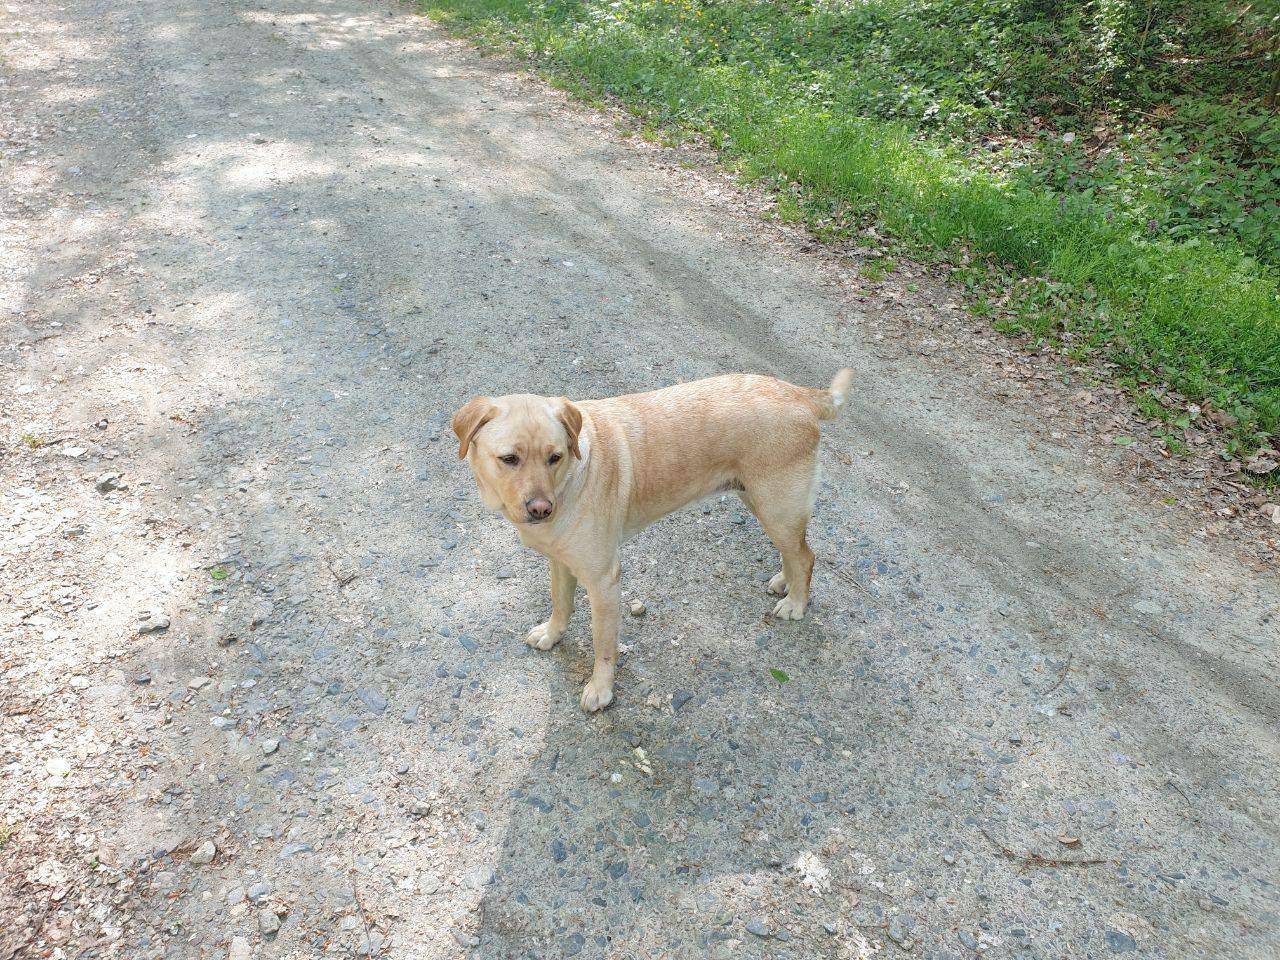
577 479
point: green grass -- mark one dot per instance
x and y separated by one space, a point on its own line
949 125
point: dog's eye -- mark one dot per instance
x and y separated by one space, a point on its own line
553 459
510 459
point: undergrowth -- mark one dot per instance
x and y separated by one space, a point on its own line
1123 155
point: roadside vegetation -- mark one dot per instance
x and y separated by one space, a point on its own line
1119 159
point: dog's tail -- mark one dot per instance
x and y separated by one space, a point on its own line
831 400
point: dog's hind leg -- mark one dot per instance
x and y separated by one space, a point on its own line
783 502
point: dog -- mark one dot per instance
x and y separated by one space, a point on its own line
577 479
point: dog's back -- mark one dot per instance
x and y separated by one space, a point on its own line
728 432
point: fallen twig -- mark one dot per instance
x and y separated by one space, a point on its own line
850 579
342 579
1033 859
355 893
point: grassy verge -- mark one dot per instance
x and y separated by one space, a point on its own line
1175 302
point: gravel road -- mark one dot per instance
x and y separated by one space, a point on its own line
264 685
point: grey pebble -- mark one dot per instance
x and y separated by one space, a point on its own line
758 927
374 700
898 934
1118 942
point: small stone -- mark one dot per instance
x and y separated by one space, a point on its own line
637 608
680 698
1118 942
153 621
270 746
969 940
369 945
759 928
258 891
374 700
107 482
268 922
57 766
419 808
239 949
142 679
198 683
204 853
504 573
898 934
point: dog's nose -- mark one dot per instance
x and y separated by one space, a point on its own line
539 508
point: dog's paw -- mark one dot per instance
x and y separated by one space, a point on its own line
789 609
778 585
541 637
596 695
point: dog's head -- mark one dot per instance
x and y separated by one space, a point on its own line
520 449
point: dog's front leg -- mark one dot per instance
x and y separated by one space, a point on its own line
563 583
606 606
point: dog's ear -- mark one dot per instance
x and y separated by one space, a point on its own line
469 419
571 417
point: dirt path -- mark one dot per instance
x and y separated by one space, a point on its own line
253 255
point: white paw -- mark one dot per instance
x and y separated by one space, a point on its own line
597 695
778 585
542 638
789 609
